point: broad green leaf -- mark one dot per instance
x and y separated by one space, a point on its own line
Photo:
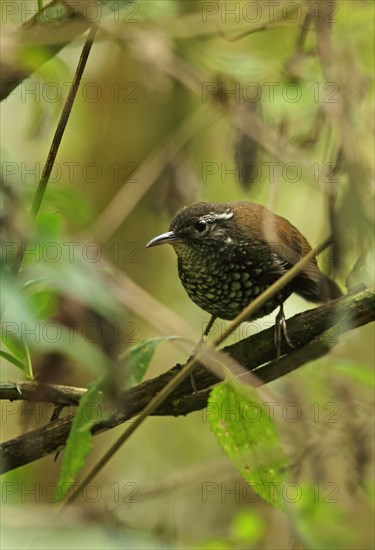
248 436
79 444
136 360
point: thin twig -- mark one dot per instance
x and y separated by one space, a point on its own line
37 392
63 122
56 141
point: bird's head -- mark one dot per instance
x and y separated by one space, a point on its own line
197 227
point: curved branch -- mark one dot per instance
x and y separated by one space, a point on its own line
314 333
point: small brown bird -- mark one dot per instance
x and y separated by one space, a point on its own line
229 253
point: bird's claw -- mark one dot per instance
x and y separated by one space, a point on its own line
281 331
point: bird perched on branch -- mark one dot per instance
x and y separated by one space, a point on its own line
229 253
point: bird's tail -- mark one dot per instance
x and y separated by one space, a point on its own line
329 290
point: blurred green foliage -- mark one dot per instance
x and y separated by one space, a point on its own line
176 97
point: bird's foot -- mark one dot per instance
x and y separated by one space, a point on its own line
280 332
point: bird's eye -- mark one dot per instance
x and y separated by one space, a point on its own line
201 226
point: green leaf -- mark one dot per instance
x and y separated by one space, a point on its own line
29 367
43 304
20 356
13 360
14 339
15 345
248 436
137 358
79 444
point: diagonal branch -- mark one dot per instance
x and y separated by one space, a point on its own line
314 333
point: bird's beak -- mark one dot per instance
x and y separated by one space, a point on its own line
165 238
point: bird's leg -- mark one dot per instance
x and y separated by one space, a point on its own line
281 330
202 340
192 381
207 329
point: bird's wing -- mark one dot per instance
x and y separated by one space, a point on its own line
311 283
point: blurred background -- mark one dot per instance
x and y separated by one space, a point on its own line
183 101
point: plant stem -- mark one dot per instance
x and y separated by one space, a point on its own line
40 192
63 122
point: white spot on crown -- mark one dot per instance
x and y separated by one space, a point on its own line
215 216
